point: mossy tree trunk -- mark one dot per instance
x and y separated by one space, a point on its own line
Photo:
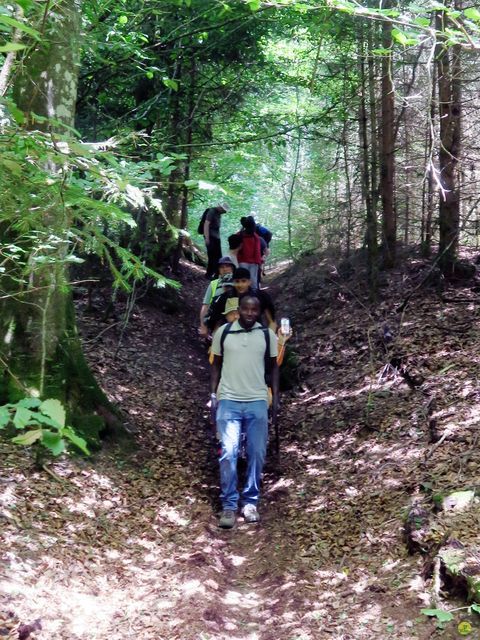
40 351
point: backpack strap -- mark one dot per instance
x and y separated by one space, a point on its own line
268 364
228 326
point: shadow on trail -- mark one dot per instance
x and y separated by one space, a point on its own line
127 545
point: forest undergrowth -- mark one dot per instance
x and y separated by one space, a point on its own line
125 544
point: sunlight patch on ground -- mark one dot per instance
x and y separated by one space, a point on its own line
246 600
237 561
371 613
192 587
173 516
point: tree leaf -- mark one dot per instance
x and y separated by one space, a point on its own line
54 409
171 84
4 417
29 403
76 440
16 24
403 38
442 616
23 416
53 441
472 14
28 438
11 46
25 4
254 5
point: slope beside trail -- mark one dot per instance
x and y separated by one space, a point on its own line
125 544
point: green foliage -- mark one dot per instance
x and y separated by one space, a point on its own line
59 195
441 615
41 424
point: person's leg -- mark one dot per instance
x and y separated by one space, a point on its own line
229 422
214 251
254 275
255 420
212 265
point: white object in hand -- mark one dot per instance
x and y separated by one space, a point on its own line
285 326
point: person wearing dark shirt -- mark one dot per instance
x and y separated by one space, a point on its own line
211 233
243 287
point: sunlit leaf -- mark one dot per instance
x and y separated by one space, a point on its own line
254 5
442 616
171 84
11 46
22 418
54 409
28 438
472 14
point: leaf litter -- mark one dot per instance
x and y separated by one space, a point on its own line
127 544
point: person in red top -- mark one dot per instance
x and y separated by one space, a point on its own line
250 254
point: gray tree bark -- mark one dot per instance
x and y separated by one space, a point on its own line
40 351
449 98
387 172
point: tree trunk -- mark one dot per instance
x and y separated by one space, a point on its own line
41 353
183 223
371 221
372 43
389 221
348 189
449 96
428 191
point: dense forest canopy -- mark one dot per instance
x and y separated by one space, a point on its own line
340 126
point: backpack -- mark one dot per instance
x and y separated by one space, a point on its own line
250 251
268 364
201 224
264 233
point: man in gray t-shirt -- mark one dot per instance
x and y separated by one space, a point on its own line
238 378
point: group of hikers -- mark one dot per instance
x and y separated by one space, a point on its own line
246 351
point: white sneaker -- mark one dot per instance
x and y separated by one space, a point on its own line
250 513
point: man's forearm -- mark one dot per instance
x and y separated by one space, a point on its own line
206 231
203 312
275 377
215 374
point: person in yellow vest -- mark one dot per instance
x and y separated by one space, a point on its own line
213 291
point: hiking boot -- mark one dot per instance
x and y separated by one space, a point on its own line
227 519
250 513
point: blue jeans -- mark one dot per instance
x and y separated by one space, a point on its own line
232 416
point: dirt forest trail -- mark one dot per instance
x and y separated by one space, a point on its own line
126 545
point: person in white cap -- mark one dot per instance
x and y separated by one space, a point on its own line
211 233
